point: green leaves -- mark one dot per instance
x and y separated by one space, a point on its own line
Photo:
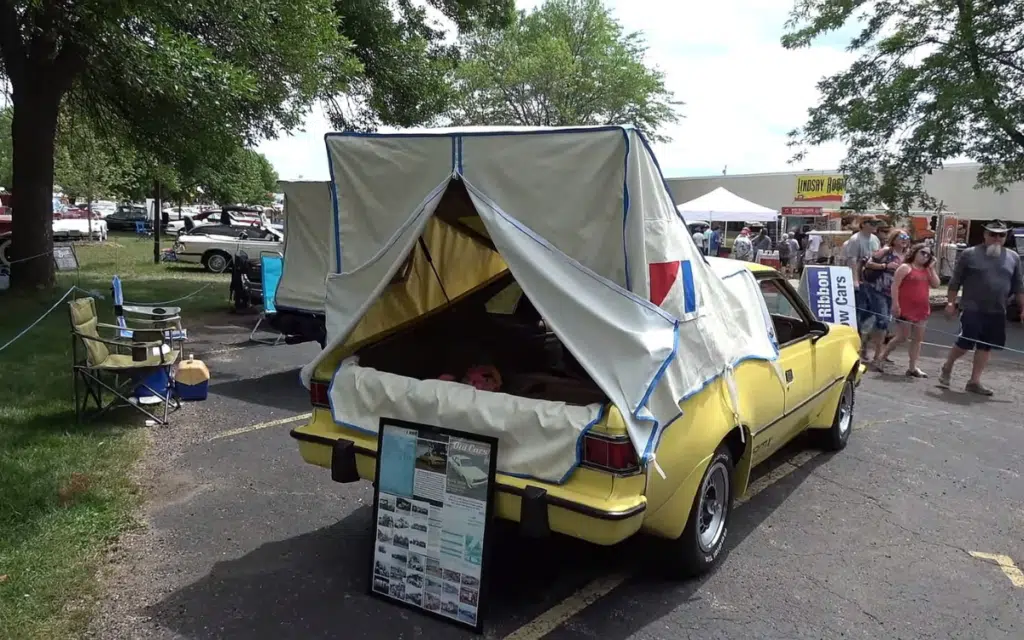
569 62
936 80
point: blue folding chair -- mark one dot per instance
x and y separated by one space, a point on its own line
167 319
142 230
271 269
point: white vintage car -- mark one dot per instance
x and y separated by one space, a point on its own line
215 245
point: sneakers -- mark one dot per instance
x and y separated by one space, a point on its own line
944 377
978 388
916 373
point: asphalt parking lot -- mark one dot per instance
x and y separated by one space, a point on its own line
914 531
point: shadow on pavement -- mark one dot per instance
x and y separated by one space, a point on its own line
650 596
281 390
315 585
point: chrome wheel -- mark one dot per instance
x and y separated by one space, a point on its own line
713 507
845 418
217 263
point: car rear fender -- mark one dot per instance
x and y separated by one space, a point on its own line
670 519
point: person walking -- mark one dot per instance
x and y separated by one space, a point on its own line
742 248
876 280
911 304
699 239
762 243
714 240
784 254
813 247
989 274
857 251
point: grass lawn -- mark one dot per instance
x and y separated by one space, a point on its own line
65 490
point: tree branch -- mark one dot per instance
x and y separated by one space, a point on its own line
982 79
12 48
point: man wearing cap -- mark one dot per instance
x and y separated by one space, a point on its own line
989 273
858 251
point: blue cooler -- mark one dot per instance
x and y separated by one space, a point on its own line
192 380
159 380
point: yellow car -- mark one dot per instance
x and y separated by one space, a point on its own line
609 497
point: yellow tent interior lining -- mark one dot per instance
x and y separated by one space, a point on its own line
463 257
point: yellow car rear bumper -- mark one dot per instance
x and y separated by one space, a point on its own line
538 507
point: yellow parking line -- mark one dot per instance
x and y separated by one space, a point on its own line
257 427
554 617
551 619
1006 564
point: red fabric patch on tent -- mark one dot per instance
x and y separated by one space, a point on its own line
663 276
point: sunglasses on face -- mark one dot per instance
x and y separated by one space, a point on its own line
996 235
926 254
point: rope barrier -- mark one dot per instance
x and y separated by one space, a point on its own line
38 255
169 302
39 319
954 335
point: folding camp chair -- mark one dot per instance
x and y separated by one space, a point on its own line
102 364
147 317
271 268
142 230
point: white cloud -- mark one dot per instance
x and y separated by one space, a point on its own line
742 90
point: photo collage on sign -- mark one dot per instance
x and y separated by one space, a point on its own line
431 513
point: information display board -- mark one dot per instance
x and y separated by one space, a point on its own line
432 506
64 257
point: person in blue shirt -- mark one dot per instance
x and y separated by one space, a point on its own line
714 241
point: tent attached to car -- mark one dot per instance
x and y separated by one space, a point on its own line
582 219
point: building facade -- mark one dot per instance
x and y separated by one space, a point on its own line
952 185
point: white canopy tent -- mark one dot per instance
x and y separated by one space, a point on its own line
585 223
722 205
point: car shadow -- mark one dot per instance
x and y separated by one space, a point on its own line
316 585
281 390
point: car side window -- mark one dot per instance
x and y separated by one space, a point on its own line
789 322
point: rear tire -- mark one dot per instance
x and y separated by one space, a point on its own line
698 549
216 261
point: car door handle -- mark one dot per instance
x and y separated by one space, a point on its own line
789 376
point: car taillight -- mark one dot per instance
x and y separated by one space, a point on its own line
318 394
610 454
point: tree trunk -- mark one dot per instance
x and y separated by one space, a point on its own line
33 131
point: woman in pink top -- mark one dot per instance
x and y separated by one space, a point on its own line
911 306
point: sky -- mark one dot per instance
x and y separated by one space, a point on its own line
742 91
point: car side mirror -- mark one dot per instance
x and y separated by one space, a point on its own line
818 330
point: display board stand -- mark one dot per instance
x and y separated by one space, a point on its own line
433 505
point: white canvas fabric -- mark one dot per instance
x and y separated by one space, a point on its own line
308 245
722 205
536 438
588 229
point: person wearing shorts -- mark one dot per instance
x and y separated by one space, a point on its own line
911 304
989 274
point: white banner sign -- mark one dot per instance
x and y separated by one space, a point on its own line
829 293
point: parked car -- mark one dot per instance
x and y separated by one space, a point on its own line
215 245
70 229
640 381
126 216
238 215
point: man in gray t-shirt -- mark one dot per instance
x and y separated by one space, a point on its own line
858 250
989 274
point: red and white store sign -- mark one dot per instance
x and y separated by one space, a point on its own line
802 211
